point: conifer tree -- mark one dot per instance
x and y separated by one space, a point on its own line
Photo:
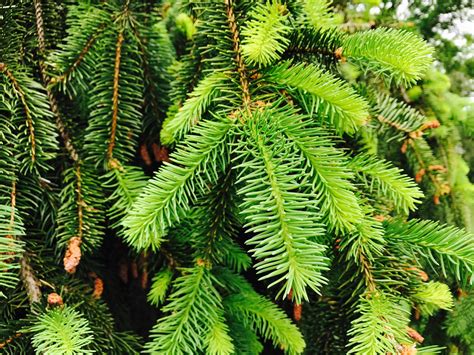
273 192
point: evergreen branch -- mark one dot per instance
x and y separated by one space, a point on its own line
364 245
244 338
396 55
80 217
264 35
198 102
29 120
219 341
319 43
440 245
46 81
404 119
193 311
80 57
86 25
11 248
318 13
328 168
30 281
115 96
333 98
115 115
387 181
432 296
159 287
195 162
61 331
244 83
265 318
125 183
381 325
283 219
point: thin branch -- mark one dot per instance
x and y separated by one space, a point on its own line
47 80
30 281
238 54
29 119
115 96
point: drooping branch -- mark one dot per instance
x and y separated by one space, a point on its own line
21 95
47 80
73 253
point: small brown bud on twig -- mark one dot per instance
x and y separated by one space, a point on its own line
73 255
54 299
98 288
297 311
412 333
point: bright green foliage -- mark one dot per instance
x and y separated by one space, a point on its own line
219 340
175 127
264 316
333 98
433 296
194 306
264 37
380 326
159 287
327 167
395 55
273 206
260 314
367 240
61 331
317 13
200 159
444 248
387 182
125 182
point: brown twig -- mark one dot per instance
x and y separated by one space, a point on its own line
46 80
115 96
244 83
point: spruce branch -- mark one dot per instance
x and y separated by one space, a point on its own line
387 181
283 220
441 246
264 35
327 167
198 102
193 311
195 162
115 96
29 119
396 55
380 327
241 69
333 98
265 318
61 330
47 80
